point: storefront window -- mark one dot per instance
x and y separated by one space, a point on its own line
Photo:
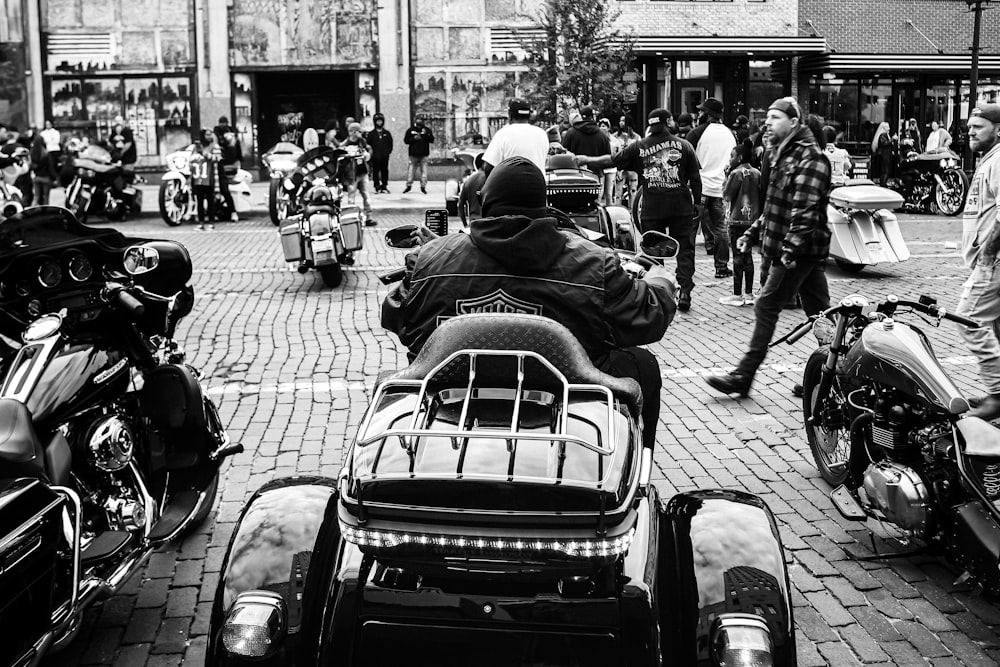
836 100
102 98
175 116
767 83
243 116
874 106
938 105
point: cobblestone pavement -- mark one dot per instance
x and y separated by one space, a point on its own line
291 365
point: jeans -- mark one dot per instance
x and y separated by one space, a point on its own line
808 278
713 226
43 186
640 365
223 180
361 185
980 300
204 196
742 261
682 228
415 163
380 173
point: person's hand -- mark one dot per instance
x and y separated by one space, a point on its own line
582 160
658 272
743 244
787 260
422 235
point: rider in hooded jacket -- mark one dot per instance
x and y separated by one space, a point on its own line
518 258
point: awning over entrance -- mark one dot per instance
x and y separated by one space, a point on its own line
703 44
849 62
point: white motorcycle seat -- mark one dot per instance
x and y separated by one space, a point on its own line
981 437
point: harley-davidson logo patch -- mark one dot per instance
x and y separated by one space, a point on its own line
497 302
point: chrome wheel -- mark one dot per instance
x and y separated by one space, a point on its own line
172 203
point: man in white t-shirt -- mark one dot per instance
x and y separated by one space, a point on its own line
518 138
840 159
714 150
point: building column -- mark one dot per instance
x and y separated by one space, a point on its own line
211 20
394 78
34 65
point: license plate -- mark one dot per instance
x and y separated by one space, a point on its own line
324 245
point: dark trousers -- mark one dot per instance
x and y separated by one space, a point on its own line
223 179
742 261
204 196
713 227
380 173
682 229
808 278
639 364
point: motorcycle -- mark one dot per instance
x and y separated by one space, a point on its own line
863 229
101 187
327 232
176 197
932 182
575 192
12 166
497 500
453 186
280 161
887 430
110 448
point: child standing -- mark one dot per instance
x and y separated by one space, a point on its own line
742 193
205 156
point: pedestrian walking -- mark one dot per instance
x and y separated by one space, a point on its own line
517 138
419 138
205 156
714 150
122 143
358 148
794 233
670 178
380 141
742 196
231 158
980 298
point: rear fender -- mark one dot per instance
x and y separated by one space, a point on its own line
451 189
173 175
721 553
271 549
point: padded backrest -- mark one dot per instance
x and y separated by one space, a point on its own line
561 161
502 331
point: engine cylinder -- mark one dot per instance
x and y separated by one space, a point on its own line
110 444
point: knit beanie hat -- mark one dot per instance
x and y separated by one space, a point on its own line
515 187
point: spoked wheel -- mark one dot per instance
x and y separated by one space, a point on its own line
277 202
831 448
950 199
172 203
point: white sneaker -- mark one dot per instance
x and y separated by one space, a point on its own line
235 217
732 300
749 299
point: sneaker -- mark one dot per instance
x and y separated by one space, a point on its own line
369 222
733 300
730 383
235 217
684 301
723 273
385 191
749 299
407 189
200 227
423 188
211 227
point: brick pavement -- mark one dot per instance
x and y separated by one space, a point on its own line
291 364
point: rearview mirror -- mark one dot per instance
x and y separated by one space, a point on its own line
658 245
402 237
140 259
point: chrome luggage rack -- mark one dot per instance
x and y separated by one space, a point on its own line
418 427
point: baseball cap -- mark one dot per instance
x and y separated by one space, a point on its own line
354 126
788 106
588 113
990 112
519 108
659 117
712 107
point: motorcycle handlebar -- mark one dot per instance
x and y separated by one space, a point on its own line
392 276
937 311
129 304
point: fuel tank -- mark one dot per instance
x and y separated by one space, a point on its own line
58 379
899 356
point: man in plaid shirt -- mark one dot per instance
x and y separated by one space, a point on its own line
796 236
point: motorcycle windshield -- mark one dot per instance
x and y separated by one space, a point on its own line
96 153
45 227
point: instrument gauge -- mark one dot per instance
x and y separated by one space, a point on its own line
49 274
80 268
23 288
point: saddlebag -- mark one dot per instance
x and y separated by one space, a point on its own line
350 228
30 513
291 238
173 406
976 546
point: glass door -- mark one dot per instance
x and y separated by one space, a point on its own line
907 102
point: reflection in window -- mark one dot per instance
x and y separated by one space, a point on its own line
836 100
873 105
243 120
767 83
692 69
175 117
141 101
67 101
102 100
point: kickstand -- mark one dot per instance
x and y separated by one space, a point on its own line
891 556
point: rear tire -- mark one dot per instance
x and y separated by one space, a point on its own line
171 212
277 202
828 447
332 274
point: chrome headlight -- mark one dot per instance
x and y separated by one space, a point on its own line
179 162
288 184
110 444
741 640
255 627
823 329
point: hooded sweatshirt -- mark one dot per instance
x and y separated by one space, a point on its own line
586 138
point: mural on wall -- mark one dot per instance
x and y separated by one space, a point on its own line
462 106
13 94
303 32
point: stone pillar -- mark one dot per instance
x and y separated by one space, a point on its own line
394 78
34 64
212 50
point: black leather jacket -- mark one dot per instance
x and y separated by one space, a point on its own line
516 264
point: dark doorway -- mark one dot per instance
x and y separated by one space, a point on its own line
290 102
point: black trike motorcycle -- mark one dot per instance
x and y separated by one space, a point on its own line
931 182
496 508
109 447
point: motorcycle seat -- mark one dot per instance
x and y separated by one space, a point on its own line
320 208
503 331
981 437
19 445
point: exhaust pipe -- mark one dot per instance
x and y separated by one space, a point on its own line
11 208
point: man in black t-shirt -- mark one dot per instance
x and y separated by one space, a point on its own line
669 175
122 144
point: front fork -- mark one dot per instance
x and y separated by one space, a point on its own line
824 416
